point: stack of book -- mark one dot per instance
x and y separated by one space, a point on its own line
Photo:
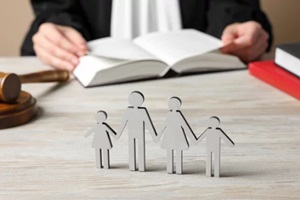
284 72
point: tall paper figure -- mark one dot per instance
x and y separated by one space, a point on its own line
101 142
175 132
213 135
137 119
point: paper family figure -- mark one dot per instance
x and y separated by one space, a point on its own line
213 136
175 132
137 118
102 142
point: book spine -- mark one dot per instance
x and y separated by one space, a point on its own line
276 80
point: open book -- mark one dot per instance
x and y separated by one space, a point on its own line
112 60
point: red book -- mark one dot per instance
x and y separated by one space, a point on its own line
279 78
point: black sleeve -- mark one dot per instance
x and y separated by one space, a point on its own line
224 12
61 12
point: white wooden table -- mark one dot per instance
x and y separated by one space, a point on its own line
50 159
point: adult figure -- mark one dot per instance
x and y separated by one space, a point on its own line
102 142
175 133
137 119
213 136
61 28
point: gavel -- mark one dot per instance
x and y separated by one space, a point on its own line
10 83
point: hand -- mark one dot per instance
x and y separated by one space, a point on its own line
248 40
59 46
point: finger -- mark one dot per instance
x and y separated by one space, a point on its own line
51 60
252 53
229 48
228 37
246 35
229 34
260 45
249 33
247 40
51 32
54 50
243 42
74 36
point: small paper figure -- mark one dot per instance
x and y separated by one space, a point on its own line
137 119
175 139
213 135
101 142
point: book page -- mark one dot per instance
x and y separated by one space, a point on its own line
172 47
97 70
122 49
90 65
212 61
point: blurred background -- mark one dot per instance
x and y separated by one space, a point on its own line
16 16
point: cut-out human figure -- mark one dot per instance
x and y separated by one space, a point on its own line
213 135
137 119
175 132
102 142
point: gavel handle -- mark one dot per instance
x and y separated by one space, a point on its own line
46 76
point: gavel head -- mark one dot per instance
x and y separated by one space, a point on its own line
10 87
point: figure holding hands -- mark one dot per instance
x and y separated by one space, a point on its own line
102 142
137 119
213 135
175 132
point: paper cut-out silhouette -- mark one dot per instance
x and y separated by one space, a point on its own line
137 119
175 132
213 135
101 142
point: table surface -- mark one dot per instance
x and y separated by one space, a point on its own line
50 159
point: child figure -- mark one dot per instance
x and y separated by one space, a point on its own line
101 142
175 138
213 135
